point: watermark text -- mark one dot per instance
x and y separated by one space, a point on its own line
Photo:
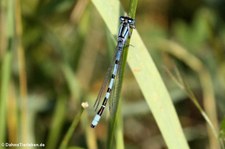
22 144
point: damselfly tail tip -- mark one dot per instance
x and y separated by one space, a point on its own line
92 126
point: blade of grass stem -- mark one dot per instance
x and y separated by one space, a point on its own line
57 123
76 91
5 78
12 115
184 85
148 78
119 131
22 72
222 134
72 128
72 81
6 69
89 132
206 83
114 125
195 101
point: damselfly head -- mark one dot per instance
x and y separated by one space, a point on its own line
130 21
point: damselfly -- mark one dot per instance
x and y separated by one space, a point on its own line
126 24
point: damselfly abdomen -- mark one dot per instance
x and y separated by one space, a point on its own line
126 24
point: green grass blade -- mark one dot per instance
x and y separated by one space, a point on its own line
119 131
115 126
5 77
148 78
133 8
6 70
57 123
222 134
182 83
155 93
206 83
69 133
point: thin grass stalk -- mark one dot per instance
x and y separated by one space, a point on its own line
119 131
6 71
90 133
222 133
113 124
12 115
78 11
3 40
75 89
57 123
69 133
22 72
207 88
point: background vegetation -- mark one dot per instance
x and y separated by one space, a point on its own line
54 56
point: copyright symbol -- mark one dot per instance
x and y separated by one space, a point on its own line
2 144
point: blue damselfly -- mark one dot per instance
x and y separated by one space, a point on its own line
126 24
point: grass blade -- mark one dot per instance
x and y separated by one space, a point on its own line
22 73
6 70
73 126
57 123
209 101
114 125
5 77
148 78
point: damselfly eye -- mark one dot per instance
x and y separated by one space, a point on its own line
131 23
122 19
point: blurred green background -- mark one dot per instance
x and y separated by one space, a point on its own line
54 55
